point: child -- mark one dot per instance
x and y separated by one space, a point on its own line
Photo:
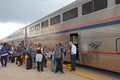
52 60
39 57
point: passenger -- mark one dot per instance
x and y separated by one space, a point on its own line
23 52
53 64
1 45
64 48
59 58
73 56
45 51
39 57
9 48
32 51
4 55
12 52
18 55
40 49
13 49
52 59
35 46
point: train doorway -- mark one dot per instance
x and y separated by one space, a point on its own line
75 39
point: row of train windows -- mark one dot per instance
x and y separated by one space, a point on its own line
55 20
17 34
87 8
95 5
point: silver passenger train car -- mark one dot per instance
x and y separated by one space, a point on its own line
92 25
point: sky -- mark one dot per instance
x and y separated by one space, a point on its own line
16 14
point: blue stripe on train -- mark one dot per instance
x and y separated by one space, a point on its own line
91 26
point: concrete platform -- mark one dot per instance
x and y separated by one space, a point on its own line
13 72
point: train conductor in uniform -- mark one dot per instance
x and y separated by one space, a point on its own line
73 51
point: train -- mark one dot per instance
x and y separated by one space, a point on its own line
92 25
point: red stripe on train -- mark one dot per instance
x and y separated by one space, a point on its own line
93 23
95 52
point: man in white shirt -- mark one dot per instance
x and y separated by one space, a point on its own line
73 51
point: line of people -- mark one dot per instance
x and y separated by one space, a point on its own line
37 54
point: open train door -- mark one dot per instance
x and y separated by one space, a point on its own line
74 37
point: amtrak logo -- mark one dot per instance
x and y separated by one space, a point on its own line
95 45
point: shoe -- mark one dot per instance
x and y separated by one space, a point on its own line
56 71
71 70
62 72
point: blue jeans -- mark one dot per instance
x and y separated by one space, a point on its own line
4 60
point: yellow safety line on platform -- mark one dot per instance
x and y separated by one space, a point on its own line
79 75
73 72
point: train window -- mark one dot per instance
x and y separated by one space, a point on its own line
87 8
55 20
70 14
32 28
93 6
100 4
44 24
21 33
117 1
29 29
37 27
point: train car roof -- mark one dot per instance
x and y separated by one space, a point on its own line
57 11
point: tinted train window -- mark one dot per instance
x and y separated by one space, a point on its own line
70 14
93 6
87 8
37 26
29 29
32 28
100 4
55 20
117 1
44 24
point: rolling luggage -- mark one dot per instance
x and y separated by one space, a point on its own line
12 59
29 63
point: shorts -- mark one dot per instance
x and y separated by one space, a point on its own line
33 59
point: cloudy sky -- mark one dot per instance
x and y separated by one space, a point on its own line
15 14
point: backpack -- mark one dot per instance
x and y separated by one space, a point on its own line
44 58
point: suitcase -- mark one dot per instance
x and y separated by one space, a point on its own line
29 63
12 59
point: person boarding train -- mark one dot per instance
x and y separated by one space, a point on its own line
73 51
